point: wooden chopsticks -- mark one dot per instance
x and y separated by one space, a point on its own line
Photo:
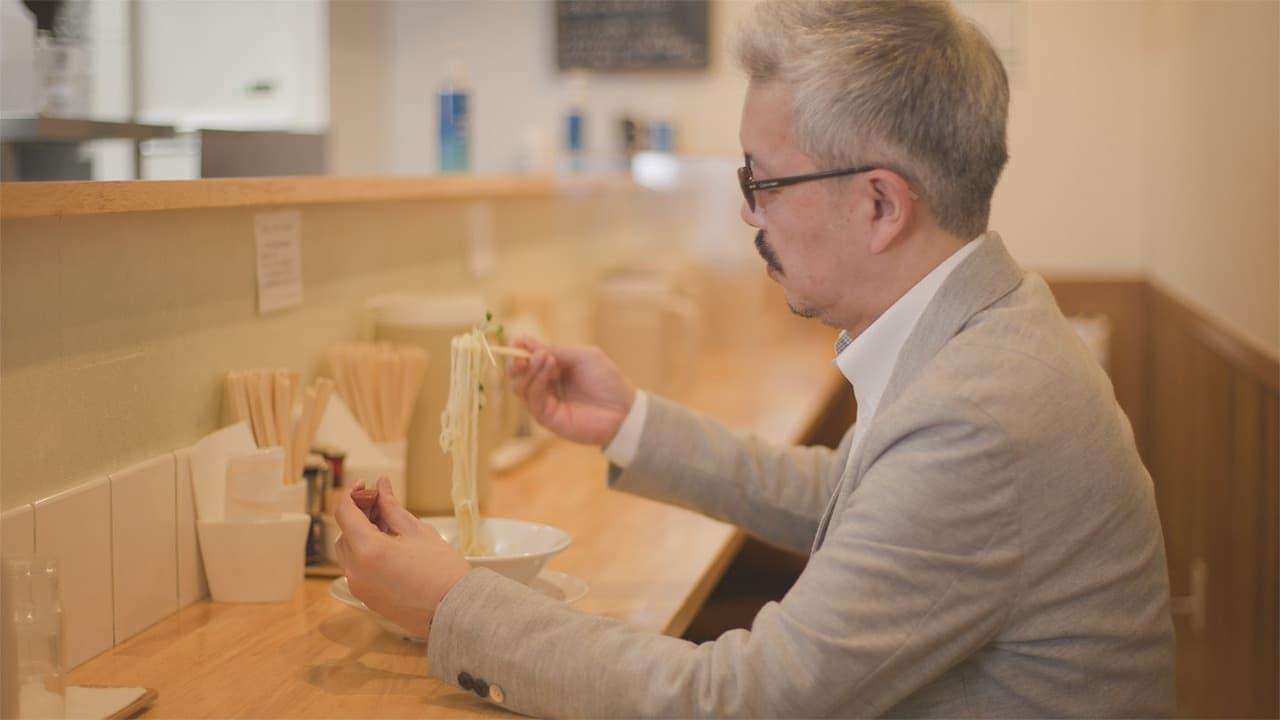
261 398
380 383
264 399
314 402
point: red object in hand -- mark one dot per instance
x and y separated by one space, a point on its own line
367 500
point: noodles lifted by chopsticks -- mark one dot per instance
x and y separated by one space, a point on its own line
459 434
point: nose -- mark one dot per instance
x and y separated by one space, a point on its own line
749 217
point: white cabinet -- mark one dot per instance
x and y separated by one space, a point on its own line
234 64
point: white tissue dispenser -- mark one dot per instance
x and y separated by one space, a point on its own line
256 560
257 551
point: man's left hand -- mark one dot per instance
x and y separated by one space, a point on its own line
402 571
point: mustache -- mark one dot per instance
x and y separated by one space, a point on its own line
766 251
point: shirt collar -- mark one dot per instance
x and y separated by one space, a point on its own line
867 361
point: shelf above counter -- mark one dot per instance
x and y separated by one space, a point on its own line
57 129
56 199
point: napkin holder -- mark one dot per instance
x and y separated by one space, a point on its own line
254 541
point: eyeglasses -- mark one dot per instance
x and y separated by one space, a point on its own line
750 185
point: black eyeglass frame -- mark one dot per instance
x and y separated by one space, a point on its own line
750 185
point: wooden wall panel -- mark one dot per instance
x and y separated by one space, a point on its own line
1223 513
1179 458
1266 651
1235 525
1211 443
1171 428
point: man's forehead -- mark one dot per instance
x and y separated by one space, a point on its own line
766 121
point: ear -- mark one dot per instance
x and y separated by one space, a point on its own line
895 208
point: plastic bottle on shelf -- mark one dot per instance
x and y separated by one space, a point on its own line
455 121
575 124
662 135
574 143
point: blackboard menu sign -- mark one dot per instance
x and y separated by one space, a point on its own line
631 34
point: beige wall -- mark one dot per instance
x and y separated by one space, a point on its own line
118 329
1211 153
1069 200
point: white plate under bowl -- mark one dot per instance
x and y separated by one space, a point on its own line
555 585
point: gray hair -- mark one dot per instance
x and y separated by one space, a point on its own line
905 84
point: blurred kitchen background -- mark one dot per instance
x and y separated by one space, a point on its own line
214 88
1120 112
168 89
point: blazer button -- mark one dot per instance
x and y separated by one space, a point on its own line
496 694
465 681
480 687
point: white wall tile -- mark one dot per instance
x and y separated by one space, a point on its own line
192 585
144 538
18 531
74 527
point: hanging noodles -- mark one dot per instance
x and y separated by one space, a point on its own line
459 433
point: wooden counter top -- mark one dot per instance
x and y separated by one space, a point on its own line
647 564
52 199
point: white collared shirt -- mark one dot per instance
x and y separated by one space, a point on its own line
866 361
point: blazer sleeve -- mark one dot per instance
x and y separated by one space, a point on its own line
918 571
774 492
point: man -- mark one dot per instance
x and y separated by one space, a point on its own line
984 542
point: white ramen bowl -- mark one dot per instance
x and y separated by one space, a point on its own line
518 548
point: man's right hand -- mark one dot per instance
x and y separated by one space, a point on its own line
576 392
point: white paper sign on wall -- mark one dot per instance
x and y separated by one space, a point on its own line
279 257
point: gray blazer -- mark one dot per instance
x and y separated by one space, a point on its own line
992 549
